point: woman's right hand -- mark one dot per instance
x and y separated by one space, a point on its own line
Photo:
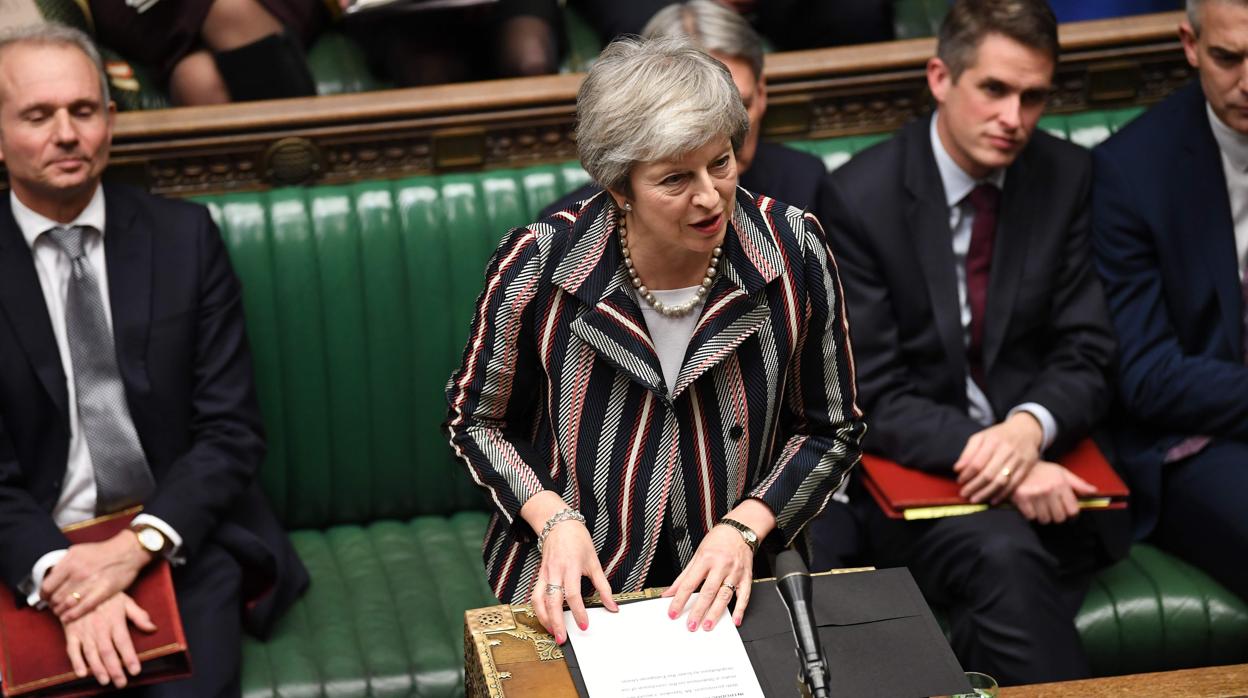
567 555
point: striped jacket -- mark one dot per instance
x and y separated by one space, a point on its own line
560 389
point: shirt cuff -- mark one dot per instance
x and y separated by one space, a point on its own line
174 556
31 586
1048 425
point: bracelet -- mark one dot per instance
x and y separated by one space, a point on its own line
558 518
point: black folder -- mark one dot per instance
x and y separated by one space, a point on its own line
878 634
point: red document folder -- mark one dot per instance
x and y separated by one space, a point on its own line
905 493
32 645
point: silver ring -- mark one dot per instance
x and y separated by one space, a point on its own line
730 587
552 589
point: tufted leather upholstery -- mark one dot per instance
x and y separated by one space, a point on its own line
358 301
384 615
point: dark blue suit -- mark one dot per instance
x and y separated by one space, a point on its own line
183 357
1165 249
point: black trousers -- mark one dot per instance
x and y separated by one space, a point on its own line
1011 589
208 594
1202 516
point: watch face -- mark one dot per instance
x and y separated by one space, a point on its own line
151 540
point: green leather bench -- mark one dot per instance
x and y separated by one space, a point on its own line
358 301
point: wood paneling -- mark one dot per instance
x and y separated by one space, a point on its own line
811 94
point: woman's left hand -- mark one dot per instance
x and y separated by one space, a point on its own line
722 562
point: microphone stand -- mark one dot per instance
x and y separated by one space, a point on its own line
793 585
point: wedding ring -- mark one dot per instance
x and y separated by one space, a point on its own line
730 587
1004 474
75 596
552 589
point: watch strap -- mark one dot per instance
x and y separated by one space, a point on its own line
747 533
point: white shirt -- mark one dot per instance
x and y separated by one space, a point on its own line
670 335
958 185
53 267
1234 148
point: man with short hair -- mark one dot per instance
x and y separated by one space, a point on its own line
778 171
125 379
1170 231
981 343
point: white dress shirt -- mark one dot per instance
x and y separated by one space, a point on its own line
958 185
1234 148
53 267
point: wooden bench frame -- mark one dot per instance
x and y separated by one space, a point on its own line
821 93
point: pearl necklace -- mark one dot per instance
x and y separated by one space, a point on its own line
680 309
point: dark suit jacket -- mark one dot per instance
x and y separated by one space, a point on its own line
1165 250
1046 338
778 171
183 356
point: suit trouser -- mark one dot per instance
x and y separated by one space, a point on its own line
1011 589
207 588
1202 517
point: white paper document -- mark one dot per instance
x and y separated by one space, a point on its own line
641 653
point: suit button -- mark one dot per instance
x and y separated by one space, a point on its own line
735 432
679 531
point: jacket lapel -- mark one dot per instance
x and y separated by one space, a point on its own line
1209 225
128 254
928 217
1008 256
591 270
21 300
737 305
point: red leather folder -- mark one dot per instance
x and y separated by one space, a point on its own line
32 645
905 493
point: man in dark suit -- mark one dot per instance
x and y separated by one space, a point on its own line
1170 232
780 172
981 341
125 378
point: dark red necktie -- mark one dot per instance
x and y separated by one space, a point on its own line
985 199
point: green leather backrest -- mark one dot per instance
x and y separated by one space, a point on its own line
358 302
1085 128
918 18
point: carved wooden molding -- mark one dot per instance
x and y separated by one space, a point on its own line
507 123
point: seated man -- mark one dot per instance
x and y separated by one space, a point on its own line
782 173
125 379
1170 232
981 342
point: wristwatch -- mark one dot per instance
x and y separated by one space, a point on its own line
751 538
151 539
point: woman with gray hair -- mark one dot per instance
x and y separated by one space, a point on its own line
660 378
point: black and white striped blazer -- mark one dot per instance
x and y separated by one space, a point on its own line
560 389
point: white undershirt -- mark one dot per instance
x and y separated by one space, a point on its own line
52 266
1234 149
670 335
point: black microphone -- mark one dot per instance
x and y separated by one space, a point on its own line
793 583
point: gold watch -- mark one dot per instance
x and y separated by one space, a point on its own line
151 539
747 533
